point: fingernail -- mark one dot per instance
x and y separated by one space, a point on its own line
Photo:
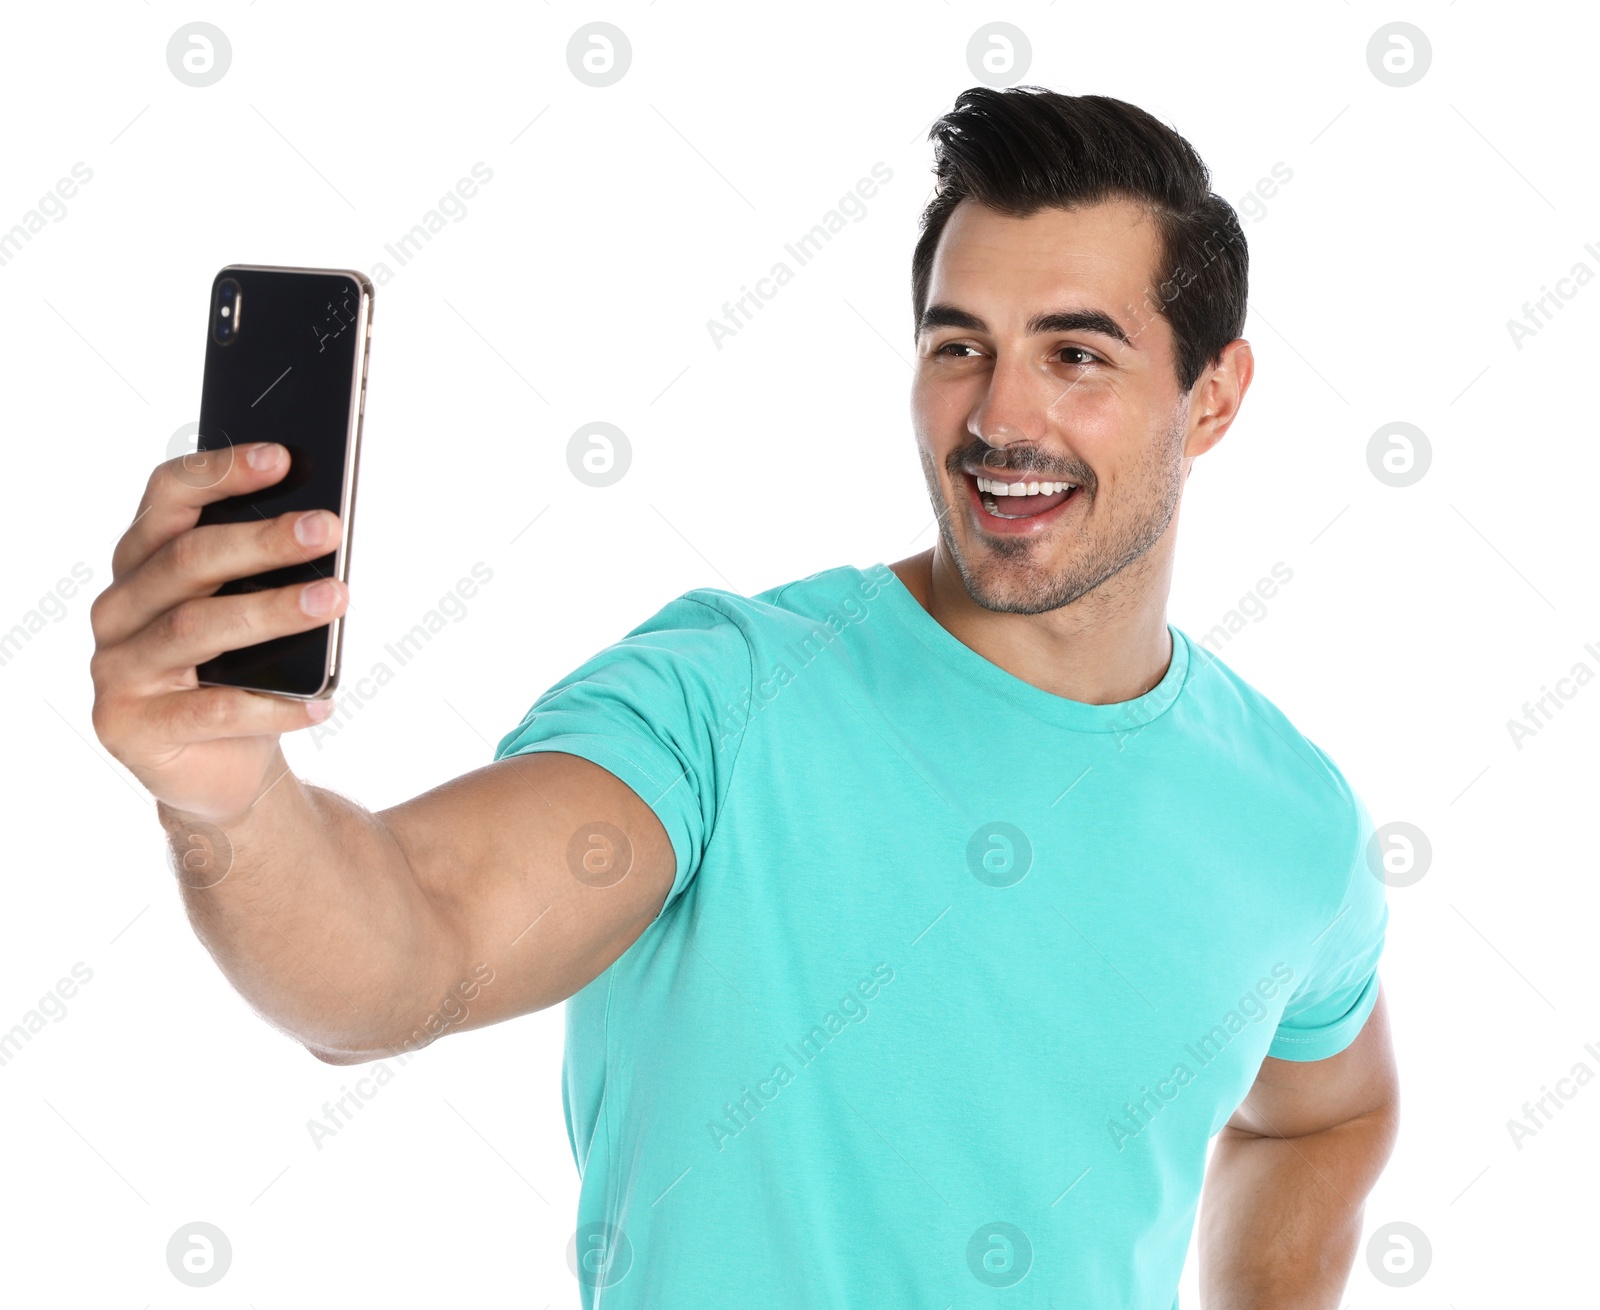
311 528
318 710
264 456
319 598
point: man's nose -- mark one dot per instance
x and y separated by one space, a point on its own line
1011 410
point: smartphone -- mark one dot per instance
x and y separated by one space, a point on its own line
286 361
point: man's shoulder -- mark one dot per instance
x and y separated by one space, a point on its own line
816 594
798 603
1263 738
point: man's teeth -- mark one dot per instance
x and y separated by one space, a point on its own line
1023 488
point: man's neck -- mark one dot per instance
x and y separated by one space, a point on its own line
1105 648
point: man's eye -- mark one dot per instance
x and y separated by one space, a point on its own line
951 346
1086 357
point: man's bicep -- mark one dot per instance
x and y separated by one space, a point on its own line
549 863
544 867
1291 1098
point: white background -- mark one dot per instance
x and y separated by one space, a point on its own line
577 288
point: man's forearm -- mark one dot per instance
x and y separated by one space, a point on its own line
309 907
1280 1218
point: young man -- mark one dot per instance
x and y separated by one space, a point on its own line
922 924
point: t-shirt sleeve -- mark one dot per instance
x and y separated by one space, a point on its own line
663 709
1333 999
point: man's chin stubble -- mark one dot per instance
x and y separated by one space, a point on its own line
1008 581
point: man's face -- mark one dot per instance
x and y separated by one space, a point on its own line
1040 358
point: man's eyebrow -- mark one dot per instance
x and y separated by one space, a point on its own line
1067 320
936 316
1079 320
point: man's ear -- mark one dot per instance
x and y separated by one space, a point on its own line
1217 396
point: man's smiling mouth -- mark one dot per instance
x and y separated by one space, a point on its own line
1023 499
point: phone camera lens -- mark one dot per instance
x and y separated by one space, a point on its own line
225 319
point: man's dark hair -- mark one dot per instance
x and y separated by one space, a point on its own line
1027 148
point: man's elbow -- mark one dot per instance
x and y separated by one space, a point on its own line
345 1057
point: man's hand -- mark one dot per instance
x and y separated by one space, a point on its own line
1281 1212
205 751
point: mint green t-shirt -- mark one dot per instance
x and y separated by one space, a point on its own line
957 977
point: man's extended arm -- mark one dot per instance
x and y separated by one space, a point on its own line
342 927
1280 1215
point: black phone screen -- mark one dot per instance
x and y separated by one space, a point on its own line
285 359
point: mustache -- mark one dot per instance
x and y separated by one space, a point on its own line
1026 461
